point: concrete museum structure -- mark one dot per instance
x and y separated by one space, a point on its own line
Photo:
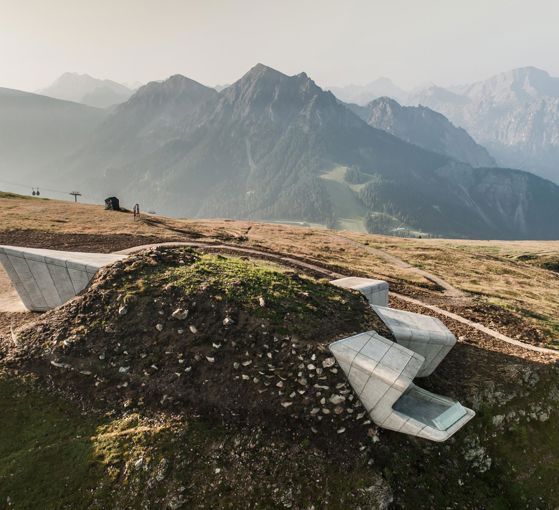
380 371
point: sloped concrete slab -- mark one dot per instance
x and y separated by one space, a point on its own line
45 279
423 334
376 291
381 372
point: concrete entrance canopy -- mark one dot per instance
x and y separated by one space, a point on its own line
45 279
376 291
423 334
381 372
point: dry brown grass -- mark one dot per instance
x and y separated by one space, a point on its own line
506 273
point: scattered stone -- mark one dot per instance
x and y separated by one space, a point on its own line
122 310
60 365
159 327
329 362
123 370
193 329
498 420
179 314
336 399
287 404
161 470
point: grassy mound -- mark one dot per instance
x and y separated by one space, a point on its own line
232 339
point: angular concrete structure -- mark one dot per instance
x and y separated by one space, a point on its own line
376 291
423 334
381 373
45 279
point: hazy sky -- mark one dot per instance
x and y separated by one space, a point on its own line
216 41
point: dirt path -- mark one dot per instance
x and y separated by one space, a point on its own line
448 290
291 261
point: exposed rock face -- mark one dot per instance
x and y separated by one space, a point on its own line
426 128
515 115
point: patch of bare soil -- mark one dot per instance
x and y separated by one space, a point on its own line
99 243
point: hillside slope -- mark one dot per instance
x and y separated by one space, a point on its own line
36 131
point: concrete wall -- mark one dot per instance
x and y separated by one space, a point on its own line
423 334
376 291
45 279
381 372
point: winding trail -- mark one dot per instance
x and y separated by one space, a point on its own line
448 289
316 269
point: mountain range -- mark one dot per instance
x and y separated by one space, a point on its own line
515 115
82 88
424 127
280 148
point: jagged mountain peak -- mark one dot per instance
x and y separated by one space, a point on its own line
83 88
426 128
384 101
171 92
260 70
261 74
518 85
264 88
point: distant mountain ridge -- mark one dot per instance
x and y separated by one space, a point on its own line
424 127
36 130
364 94
82 88
514 114
278 147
